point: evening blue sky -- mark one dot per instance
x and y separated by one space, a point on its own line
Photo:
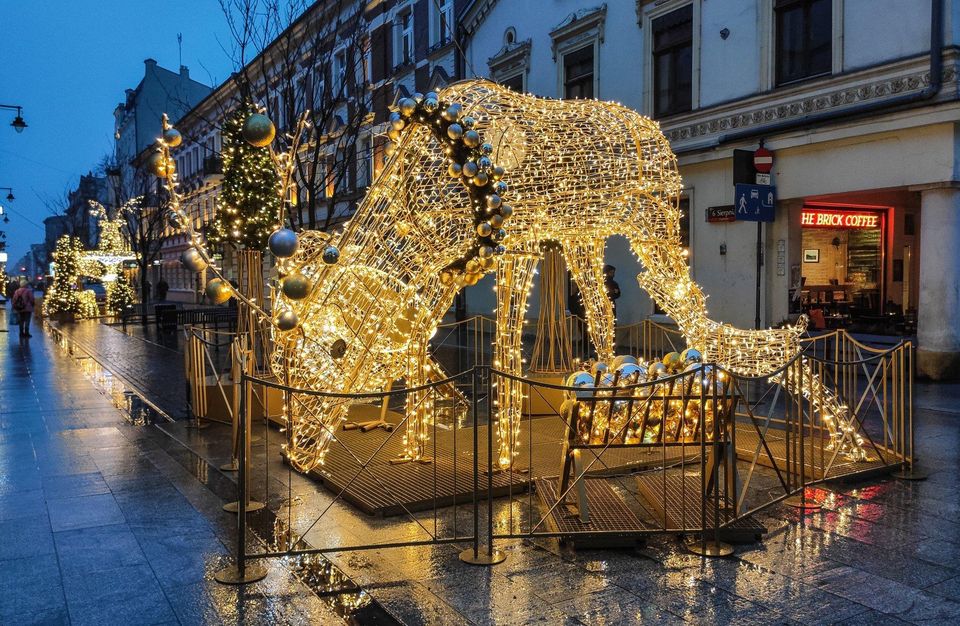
68 62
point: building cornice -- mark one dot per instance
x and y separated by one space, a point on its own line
831 93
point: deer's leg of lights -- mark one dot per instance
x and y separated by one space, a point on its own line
585 261
419 404
515 274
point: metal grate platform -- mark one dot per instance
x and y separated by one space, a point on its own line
608 515
677 501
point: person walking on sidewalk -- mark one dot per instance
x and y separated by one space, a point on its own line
23 305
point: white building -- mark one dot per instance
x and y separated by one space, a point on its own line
861 117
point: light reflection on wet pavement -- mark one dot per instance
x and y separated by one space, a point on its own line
116 520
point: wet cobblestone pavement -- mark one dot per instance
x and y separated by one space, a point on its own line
100 525
105 514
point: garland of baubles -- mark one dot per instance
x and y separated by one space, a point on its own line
259 131
468 159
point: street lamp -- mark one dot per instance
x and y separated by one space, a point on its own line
17 123
10 197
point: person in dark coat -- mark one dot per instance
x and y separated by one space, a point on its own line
162 289
613 289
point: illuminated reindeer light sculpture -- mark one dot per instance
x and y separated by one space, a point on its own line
467 164
478 178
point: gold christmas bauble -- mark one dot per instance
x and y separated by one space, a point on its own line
160 166
219 291
287 320
258 130
484 229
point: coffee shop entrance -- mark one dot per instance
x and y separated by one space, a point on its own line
846 281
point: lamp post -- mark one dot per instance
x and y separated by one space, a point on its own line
17 123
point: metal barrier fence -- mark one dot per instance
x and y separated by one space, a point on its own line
610 463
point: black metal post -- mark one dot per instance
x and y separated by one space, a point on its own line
759 269
239 574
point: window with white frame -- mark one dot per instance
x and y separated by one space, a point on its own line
342 72
804 38
364 161
576 43
403 36
441 22
578 76
673 62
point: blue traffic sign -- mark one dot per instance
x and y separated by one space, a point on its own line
754 203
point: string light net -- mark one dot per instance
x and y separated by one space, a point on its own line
575 172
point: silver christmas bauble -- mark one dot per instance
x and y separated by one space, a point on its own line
500 250
331 255
455 170
486 148
496 220
193 260
484 229
430 103
172 137
485 252
390 148
498 172
398 125
471 139
454 131
287 320
468 122
219 291
395 117
470 169
481 179
393 134
452 112
506 211
407 107
417 97
484 163
691 355
258 130
283 243
500 235
632 371
583 379
501 187
494 201
296 286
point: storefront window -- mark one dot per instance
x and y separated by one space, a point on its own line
842 265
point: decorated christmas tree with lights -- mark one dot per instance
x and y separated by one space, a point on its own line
119 295
249 201
63 296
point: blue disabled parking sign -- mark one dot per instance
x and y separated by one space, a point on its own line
754 203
